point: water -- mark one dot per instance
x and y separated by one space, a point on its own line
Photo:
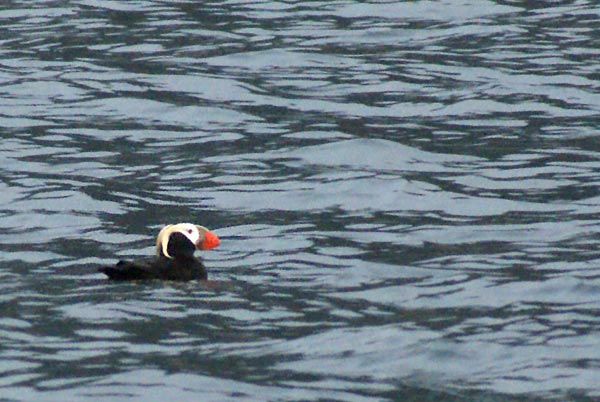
407 195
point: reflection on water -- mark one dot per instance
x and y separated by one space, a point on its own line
406 193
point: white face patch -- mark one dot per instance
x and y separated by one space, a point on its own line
192 232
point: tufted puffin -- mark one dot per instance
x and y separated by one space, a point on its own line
175 261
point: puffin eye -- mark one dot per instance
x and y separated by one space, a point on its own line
189 231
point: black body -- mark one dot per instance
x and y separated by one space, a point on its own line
182 267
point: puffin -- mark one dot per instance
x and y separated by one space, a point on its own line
174 261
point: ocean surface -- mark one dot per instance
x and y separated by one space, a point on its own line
407 195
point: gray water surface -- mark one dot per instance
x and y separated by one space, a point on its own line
407 195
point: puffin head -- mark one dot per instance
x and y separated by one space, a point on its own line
184 238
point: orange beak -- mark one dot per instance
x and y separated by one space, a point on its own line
211 240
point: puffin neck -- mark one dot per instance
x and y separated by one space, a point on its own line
180 246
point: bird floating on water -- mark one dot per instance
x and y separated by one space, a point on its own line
174 261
